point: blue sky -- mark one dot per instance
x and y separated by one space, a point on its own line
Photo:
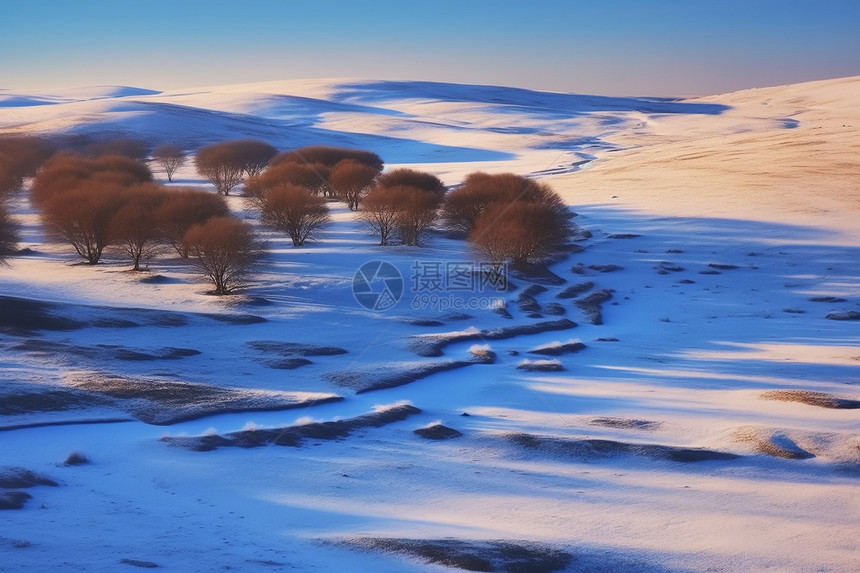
609 47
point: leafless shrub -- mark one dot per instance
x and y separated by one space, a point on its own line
183 208
295 211
328 155
350 180
169 157
224 250
82 216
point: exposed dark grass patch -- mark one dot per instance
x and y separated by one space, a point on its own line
536 273
595 449
139 563
161 402
21 315
80 422
422 322
14 499
623 236
64 351
574 291
432 344
17 478
794 310
605 268
828 299
534 290
294 435
558 348
843 315
666 267
28 399
506 556
294 348
554 309
710 272
625 423
540 366
527 303
607 339
114 323
722 266
287 363
820 399
236 318
437 432
382 376
591 305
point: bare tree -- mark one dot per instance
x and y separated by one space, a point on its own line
413 178
520 232
183 208
482 191
310 176
381 210
82 216
416 212
221 166
133 226
350 181
169 157
254 155
8 235
20 157
125 146
295 211
328 155
224 250
66 171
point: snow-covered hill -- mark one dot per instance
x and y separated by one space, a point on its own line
708 423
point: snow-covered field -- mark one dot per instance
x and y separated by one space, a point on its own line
710 423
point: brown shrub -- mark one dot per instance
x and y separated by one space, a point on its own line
8 234
224 250
181 209
416 214
124 146
464 205
169 157
66 171
82 216
350 180
133 227
20 157
520 232
413 178
311 176
328 155
380 210
295 211
220 165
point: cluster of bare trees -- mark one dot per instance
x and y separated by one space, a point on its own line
112 201
507 217
403 203
20 158
291 192
228 163
106 197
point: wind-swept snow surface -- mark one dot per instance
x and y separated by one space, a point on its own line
708 421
